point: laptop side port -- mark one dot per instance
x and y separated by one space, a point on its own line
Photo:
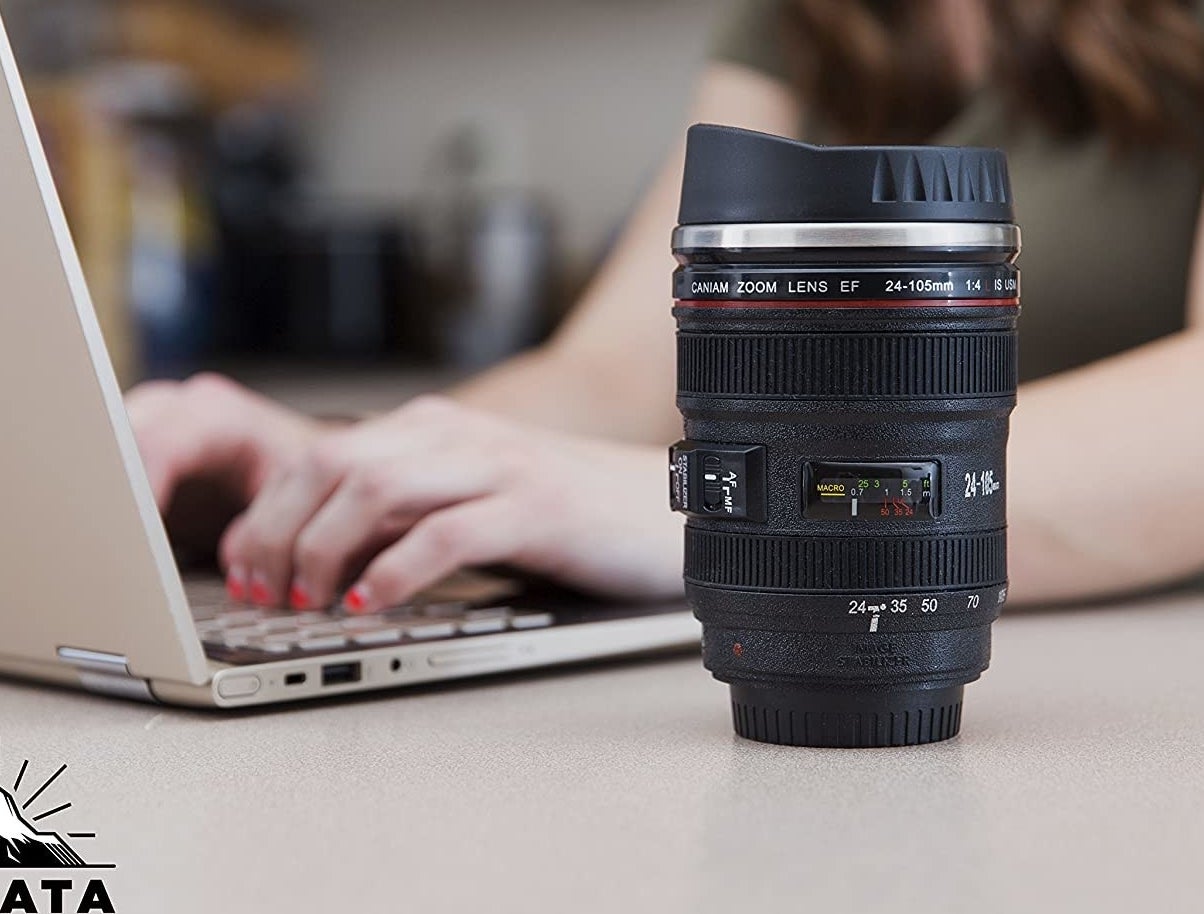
295 679
341 673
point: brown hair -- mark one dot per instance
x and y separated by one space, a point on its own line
881 71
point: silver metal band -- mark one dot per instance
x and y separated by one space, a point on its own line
786 235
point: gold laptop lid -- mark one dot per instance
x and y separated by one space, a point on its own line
84 560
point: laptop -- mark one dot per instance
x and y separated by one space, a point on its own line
90 594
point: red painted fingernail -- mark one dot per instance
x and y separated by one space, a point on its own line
260 595
356 600
298 597
236 585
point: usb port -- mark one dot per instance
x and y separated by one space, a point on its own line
294 679
340 673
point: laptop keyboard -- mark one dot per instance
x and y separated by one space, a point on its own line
241 634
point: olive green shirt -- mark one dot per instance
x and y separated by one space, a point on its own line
1108 239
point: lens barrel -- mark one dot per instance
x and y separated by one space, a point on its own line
847 367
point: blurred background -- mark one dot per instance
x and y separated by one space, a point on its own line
358 193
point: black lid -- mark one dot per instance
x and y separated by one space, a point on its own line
739 176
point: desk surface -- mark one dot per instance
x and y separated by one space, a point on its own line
1077 785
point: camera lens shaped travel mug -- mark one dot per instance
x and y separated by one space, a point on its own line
847 368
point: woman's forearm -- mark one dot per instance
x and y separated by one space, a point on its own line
1106 475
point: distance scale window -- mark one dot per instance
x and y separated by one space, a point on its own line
870 491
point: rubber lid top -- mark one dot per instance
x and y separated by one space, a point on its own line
739 176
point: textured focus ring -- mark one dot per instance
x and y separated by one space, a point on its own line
815 563
835 366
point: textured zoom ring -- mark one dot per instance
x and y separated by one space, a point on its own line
838 366
813 563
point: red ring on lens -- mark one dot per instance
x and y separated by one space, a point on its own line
803 304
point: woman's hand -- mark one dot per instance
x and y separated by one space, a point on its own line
434 487
208 445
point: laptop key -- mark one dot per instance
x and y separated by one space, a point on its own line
317 630
245 631
288 638
270 647
309 617
239 617
363 623
279 624
382 636
326 643
372 623
486 626
527 621
493 612
431 631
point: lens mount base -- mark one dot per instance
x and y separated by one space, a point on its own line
846 720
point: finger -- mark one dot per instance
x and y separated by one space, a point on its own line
264 544
480 532
238 577
384 496
261 546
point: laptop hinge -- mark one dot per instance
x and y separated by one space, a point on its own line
106 674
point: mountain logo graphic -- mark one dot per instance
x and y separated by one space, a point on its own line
27 843
22 847
26 851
